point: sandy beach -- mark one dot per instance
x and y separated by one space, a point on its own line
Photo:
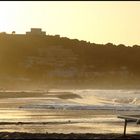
17 135
64 113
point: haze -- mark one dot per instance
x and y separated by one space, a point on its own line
95 21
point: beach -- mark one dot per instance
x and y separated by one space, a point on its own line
67 112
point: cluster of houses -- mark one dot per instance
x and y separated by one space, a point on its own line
34 31
63 60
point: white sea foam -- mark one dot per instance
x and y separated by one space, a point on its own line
94 99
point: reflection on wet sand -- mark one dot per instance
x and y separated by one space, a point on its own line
28 110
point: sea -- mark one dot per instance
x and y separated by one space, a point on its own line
89 111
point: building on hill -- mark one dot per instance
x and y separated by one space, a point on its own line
2 33
36 31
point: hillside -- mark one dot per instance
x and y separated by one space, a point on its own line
54 61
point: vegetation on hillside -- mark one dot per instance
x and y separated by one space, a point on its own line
53 59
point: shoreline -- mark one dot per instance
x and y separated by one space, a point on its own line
49 88
14 108
22 135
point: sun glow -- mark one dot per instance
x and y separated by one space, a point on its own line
8 15
94 21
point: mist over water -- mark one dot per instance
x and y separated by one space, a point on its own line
103 99
66 110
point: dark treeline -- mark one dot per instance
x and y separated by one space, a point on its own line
35 57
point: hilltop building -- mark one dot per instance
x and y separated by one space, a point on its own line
36 31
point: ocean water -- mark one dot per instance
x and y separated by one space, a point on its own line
90 111
93 99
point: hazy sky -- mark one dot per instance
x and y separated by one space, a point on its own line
95 21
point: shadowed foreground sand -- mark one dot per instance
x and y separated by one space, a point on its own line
17 135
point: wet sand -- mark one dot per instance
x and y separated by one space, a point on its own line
98 123
16 135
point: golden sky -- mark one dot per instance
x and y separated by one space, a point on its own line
100 22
